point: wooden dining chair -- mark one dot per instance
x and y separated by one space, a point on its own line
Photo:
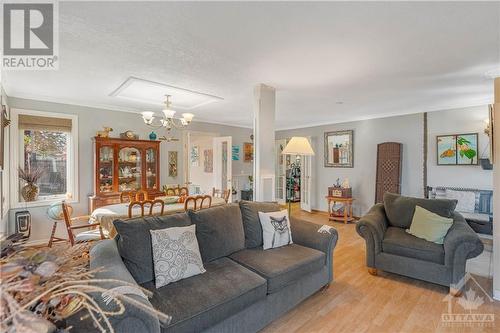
85 236
183 191
146 205
127 196
197 202
221 194
170 192
141 195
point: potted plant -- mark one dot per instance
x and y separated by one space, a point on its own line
30 190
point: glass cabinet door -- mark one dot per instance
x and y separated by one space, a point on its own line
106 169
129 169
151 168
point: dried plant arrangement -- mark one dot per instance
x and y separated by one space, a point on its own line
31 176
41 288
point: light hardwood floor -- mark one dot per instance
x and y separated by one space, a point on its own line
359 302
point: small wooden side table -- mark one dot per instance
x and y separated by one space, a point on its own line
347 203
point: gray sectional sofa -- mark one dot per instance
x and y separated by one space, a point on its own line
390 248
244 287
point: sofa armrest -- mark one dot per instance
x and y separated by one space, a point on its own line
372 227
306 234
104 255
460 243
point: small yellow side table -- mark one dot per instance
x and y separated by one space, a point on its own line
347 203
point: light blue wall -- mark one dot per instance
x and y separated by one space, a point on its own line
408 130
91 120
367 134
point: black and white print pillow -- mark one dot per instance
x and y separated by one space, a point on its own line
276 230
176 254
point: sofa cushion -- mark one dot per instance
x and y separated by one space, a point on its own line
400 209
251 223
219 231
281 266
398 242
176 254
201 301
134 241
429 226
276 230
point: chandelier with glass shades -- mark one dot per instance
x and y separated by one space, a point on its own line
167 120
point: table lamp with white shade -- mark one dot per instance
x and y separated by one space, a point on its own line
297 146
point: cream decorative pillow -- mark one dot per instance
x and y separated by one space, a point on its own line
429 226
276 230
176 254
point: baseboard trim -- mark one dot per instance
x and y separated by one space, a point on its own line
326 213
496 295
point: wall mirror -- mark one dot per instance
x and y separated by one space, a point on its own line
339 149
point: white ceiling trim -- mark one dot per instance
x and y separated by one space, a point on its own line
153 93
110 108
386 115
208 121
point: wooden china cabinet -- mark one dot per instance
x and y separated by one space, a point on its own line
124 165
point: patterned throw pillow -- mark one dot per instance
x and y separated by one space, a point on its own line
175 254
276 230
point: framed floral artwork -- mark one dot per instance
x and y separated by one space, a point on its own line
457 149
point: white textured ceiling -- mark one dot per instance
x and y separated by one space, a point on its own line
378 58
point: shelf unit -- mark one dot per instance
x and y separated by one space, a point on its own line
124 165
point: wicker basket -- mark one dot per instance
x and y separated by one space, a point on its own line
337 191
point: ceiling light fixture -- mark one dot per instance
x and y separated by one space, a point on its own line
167 120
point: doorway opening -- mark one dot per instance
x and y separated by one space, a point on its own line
293 177
208 163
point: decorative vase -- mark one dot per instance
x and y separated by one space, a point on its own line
29 192
152 136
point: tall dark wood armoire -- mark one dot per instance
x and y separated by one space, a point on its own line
389 163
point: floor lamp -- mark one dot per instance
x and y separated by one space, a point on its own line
297 146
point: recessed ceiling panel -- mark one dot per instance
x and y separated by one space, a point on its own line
150 92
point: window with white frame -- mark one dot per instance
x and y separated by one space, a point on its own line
45 144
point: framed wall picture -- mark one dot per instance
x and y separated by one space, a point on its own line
457 149
172 164
247 152
208 160
194 156
235 153
339 152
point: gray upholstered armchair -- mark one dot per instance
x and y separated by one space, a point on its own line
390 248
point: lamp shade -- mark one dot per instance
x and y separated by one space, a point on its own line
298 146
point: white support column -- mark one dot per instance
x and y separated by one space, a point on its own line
263 132
496 193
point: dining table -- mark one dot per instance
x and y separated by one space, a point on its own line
105 215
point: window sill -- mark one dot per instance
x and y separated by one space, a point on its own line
41 203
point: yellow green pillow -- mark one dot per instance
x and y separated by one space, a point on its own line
429 226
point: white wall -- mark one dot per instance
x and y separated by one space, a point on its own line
197 174
409 131
264 106
90 120
367 134
4 174
458 121
496 194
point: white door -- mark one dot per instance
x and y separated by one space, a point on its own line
305 183
223 164
280 172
